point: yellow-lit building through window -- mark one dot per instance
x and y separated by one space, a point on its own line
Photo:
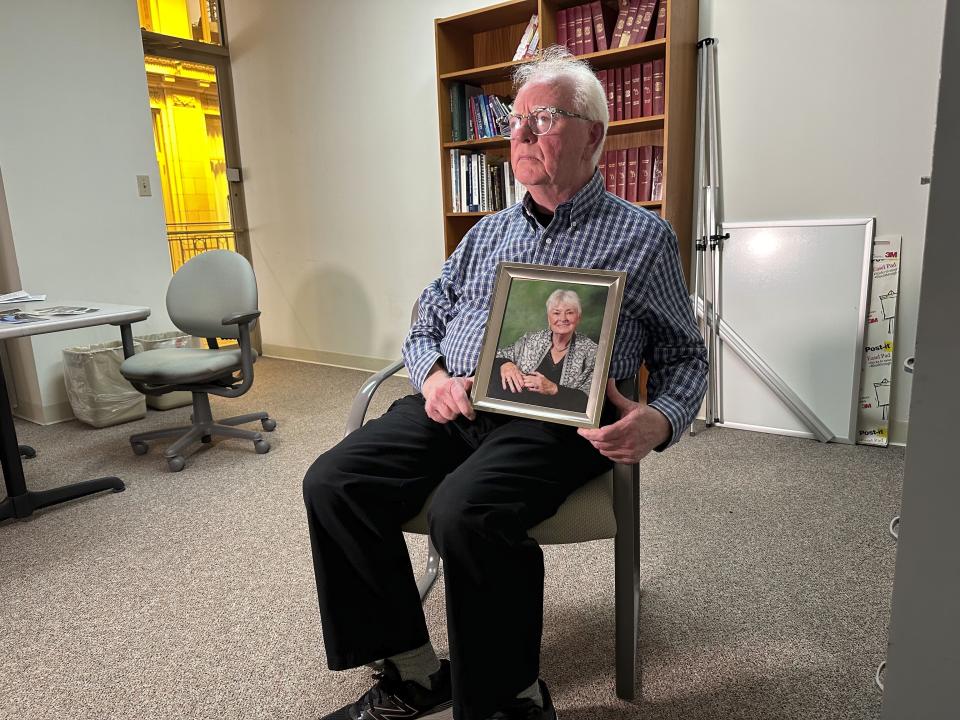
188 136
190 19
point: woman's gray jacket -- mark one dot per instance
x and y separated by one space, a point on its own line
531 348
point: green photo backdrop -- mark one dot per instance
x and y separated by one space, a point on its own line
527 308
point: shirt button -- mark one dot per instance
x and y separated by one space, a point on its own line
573 225
547 240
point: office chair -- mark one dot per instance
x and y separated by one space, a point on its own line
213 295
605 507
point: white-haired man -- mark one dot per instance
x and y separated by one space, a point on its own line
495 476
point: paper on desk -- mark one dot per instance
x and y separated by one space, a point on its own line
20 296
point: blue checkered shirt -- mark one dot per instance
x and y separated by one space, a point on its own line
592 230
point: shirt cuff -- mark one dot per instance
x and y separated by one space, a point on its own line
675 414
420 367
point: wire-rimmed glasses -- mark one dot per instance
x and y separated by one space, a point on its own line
539 120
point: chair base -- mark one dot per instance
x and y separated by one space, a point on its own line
203 429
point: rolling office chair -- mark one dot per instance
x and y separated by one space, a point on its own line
213 295
606 507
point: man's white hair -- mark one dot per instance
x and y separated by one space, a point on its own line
558 65
564 297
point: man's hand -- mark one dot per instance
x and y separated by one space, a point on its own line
447 397
639 430
539 384
510 377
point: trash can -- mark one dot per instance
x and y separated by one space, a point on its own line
97 391
169 339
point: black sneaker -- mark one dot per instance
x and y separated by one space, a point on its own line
398 699
528 710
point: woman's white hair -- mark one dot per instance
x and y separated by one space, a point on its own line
557 64
564 297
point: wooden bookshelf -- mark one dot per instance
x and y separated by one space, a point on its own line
477 48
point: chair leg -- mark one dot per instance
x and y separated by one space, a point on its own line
429 577
627 590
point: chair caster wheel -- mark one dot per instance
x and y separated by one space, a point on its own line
261 446
206 438
176 463
139 447
269 424
29 453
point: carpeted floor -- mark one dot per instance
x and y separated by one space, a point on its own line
767 571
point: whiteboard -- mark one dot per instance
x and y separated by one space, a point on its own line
796 293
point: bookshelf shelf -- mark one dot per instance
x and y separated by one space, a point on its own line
476 48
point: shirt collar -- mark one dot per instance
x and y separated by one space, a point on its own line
576 207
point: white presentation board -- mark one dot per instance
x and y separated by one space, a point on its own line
796 293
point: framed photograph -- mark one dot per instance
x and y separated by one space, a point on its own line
546 350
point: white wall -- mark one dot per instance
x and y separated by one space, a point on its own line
337 114
74 133
827 110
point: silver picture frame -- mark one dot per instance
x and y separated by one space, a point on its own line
508 278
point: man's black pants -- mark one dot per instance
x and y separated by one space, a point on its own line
499 476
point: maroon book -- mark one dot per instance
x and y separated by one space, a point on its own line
636 90
632 158
656 174
571 31
588 46
602 77
643 172
578 29
599 29
611 103
641 26
621 22
661 31
562 28
627 93
611 179
602 167
658 86
647 89
621 173
631 20
618 92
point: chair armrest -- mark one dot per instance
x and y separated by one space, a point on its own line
362 401
240 318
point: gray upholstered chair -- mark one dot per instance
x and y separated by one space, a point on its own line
214 295
606 507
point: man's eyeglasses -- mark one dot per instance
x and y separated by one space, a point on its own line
539 120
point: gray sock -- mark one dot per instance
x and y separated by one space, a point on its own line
417 665
532 693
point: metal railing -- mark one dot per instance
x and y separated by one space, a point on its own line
186 243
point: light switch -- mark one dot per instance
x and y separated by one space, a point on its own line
143 185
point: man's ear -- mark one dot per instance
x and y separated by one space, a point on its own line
595 138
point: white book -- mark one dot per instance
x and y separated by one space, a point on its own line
475 182
464 159
525 40
454 181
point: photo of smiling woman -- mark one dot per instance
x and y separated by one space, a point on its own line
551 366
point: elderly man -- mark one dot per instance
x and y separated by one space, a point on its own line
496 476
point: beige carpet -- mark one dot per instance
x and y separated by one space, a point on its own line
767 570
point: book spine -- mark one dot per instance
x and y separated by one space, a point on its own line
562 28
471 120
636 87
622 173
599 29
525 38
628 25
658 86
627 92
645 159
454 124
534 44
647 89
661 31
602 77
621 21
601 167
611 180
588 44
641 26
632 158
618 92
656 174
578 29
611 98
454 180
484 190
487 116
571 31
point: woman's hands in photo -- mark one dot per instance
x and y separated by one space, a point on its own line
511 378
539 384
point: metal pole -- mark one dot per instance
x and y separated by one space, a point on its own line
699 238
716 246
